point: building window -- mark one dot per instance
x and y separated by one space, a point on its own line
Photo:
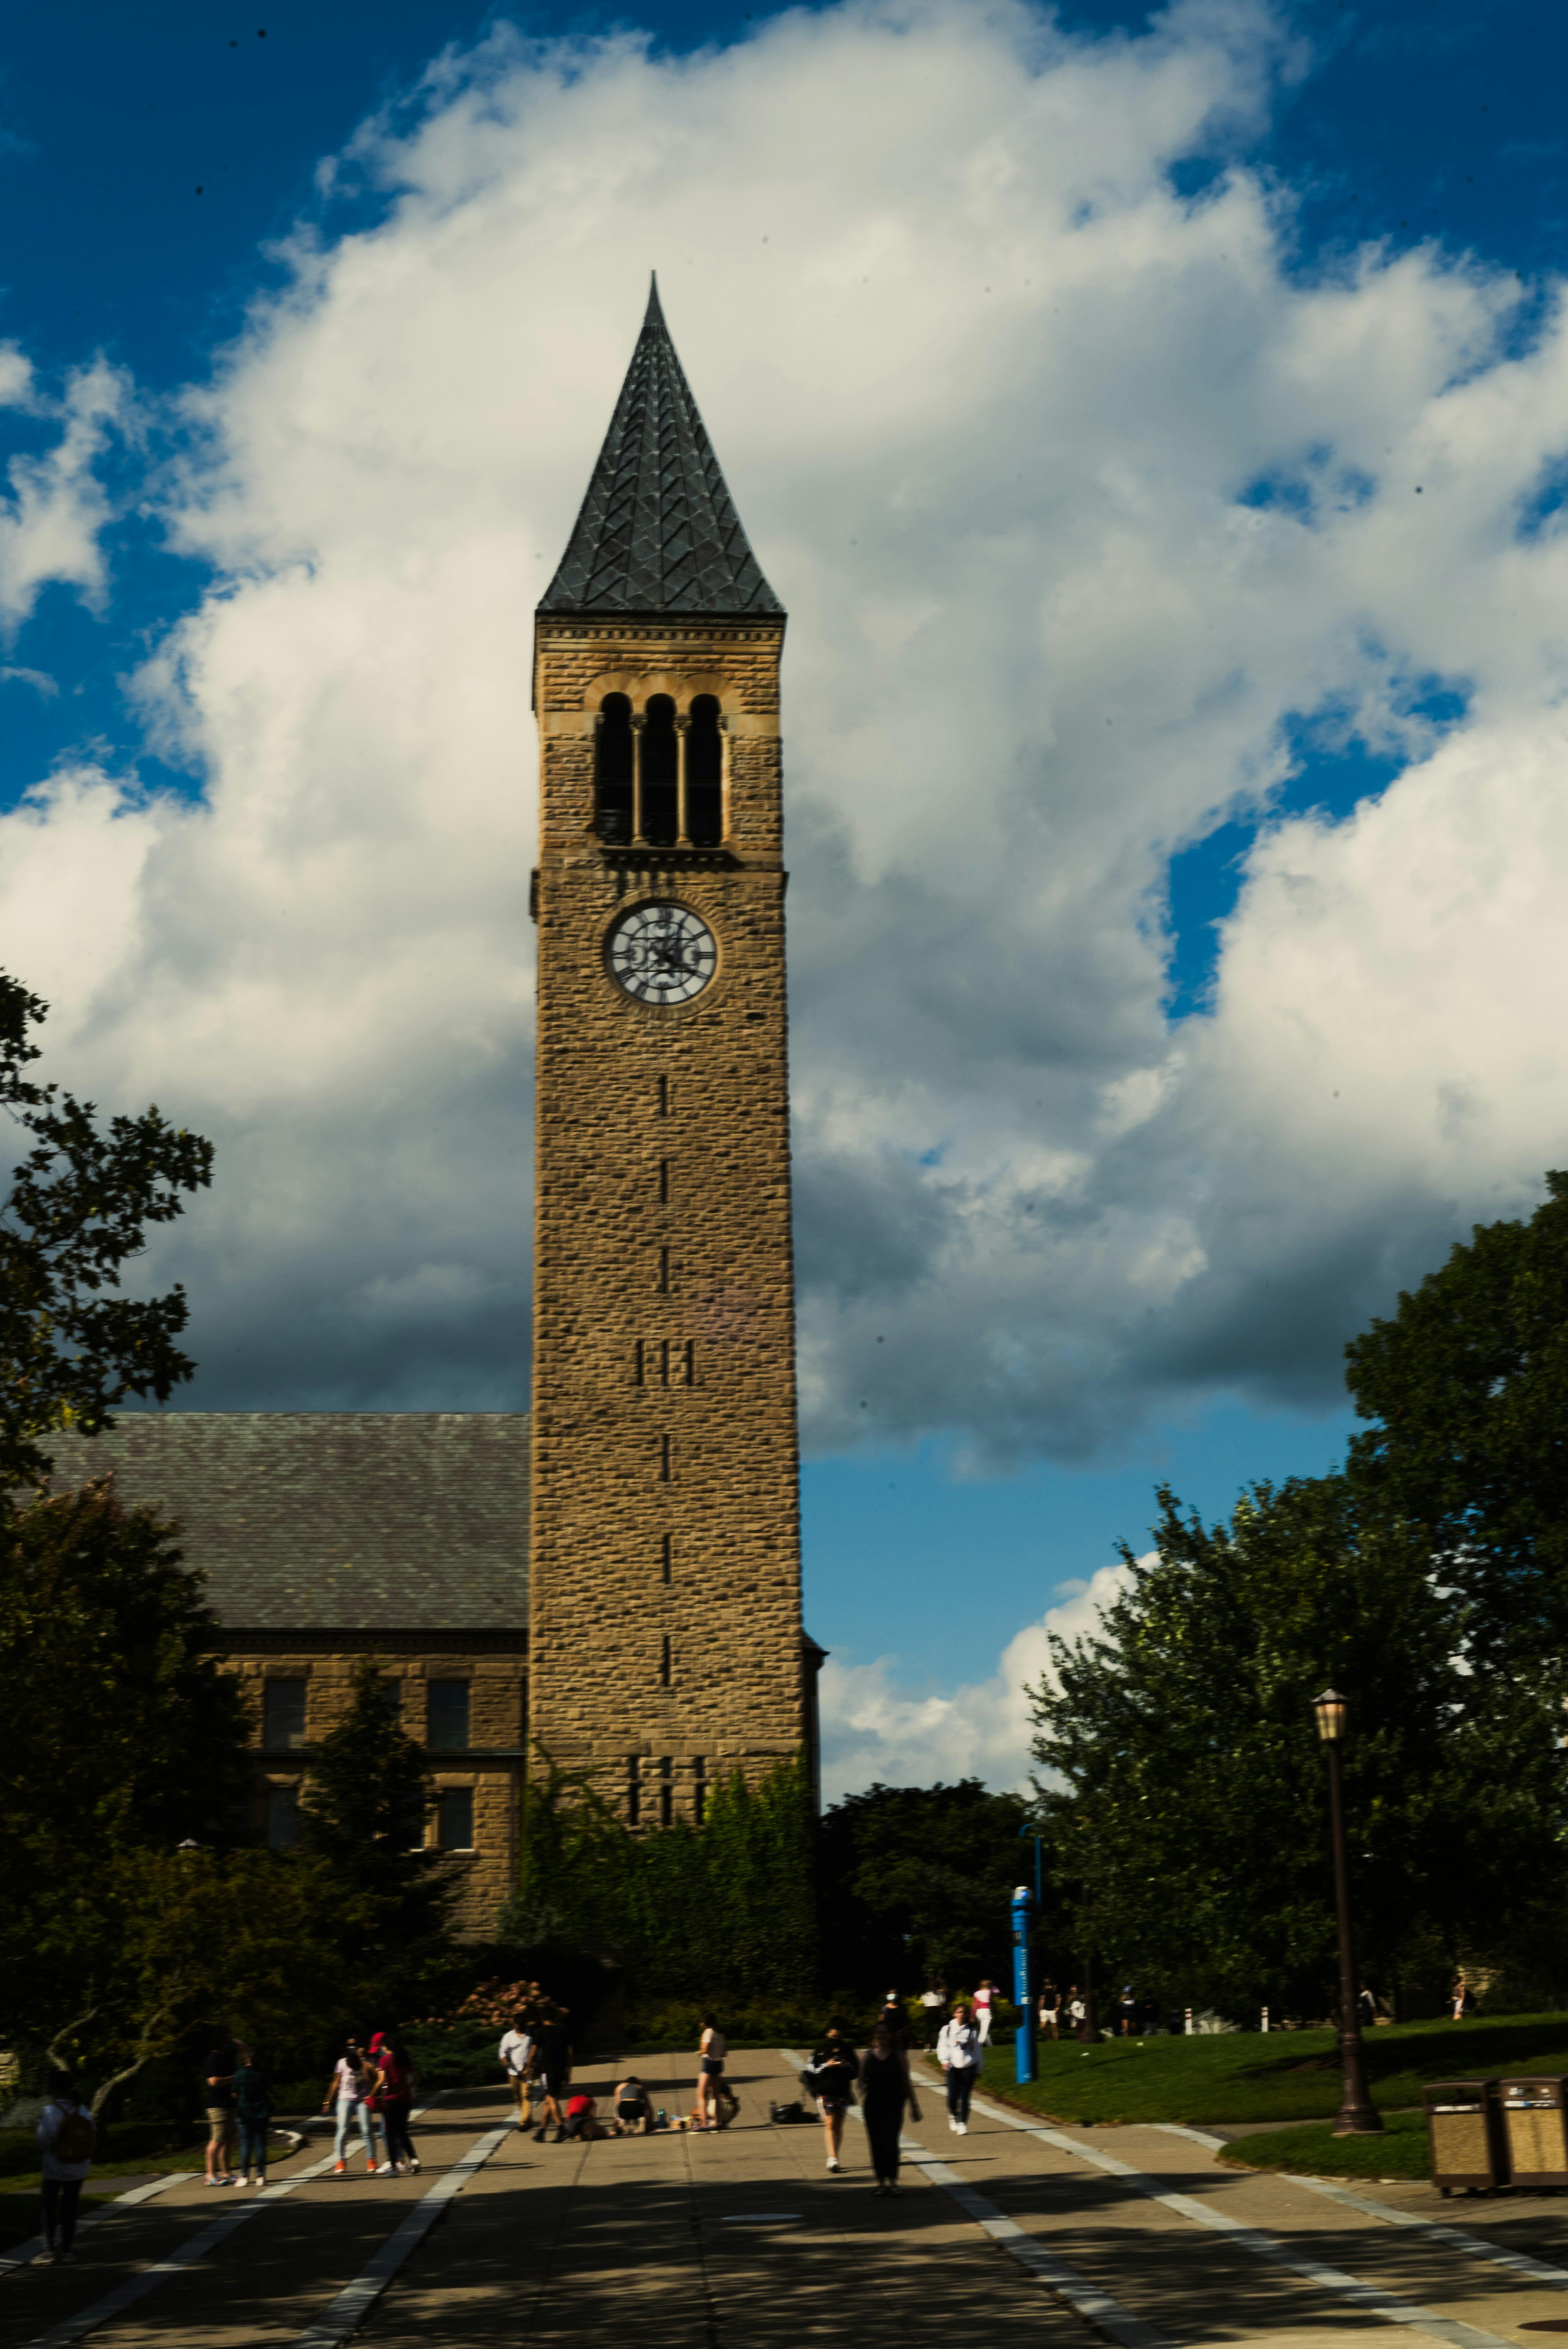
455 1818
282 1817
669 1557
613 769
282 1714
705 774
666 1793
634 1792
389 1697
665 1663
699 1791
448 1715
659 808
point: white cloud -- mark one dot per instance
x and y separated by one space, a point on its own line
54 507
872 1729
1077 491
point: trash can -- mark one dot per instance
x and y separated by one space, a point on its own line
1464 2124
1535 2123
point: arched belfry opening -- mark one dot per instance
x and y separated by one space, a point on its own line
661 825
705 774
612 769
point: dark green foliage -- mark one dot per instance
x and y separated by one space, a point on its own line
362 1818
80 1204
918 1882
1468 1385
725 1909
1192 1834
122 1734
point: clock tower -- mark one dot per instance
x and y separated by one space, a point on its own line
666 1644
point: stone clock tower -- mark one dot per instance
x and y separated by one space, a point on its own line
664 1593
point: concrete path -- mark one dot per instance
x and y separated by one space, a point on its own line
1014 2233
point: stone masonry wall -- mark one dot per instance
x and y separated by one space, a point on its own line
664 1589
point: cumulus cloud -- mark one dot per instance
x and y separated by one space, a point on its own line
1086 498
55 506
872 1728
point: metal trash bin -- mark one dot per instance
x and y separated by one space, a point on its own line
1464 2125
1535 2122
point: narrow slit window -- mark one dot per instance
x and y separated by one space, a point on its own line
664 1181
691 1362
633 1794
669 1558
664 1662
637 1371
613 769
663 1096
663 1272
666 1792
699 1790
705 774
659 812
665 1363
666 1464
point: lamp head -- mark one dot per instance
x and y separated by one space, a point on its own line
1331 1709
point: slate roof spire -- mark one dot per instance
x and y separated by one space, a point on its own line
659 531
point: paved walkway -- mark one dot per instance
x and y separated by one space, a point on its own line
1014 2233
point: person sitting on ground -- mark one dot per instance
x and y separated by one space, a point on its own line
710 2049
633 2110
581 2120
834 2071
67 2134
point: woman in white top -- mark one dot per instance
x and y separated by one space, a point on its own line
352 2081
982 1997
958 2052
711 2049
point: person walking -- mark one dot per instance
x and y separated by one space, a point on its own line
1078 2013
982 1997
397 2094
1126 2017
958 2052
710 2055
251 2093
555 2053
218 2073
886 2089
933 1999
834 2072
348 2086
516 2052
1050 2009
67 2134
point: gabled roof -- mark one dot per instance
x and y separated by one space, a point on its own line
658 531
333 1520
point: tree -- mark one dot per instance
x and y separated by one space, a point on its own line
918 1881
363 1814
1188 1817
123 1735
1467 1386
80 1201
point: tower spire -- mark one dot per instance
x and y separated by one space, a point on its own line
659 531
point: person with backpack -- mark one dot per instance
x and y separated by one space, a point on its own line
832 2077
66 2135
253 2111
348 2086
958 2051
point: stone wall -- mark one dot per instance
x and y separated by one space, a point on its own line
664 1590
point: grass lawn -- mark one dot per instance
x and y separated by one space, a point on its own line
1286 2076
1402 2150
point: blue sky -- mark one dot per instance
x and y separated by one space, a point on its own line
175 220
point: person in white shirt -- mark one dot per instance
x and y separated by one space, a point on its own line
982 1997
352 2081
958 2053
517 2060
66 2134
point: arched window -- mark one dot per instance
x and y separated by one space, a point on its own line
613 769
659 773
705 774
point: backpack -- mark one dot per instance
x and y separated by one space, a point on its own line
791 2112
77 2134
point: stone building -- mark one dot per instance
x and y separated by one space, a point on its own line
617 1586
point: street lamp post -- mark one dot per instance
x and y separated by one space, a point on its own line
1023 1987
1357 2117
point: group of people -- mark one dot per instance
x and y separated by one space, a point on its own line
536 2055
371 2086
937 2006
238 2112
1056 2011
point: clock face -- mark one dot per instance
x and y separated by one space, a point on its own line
663 954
